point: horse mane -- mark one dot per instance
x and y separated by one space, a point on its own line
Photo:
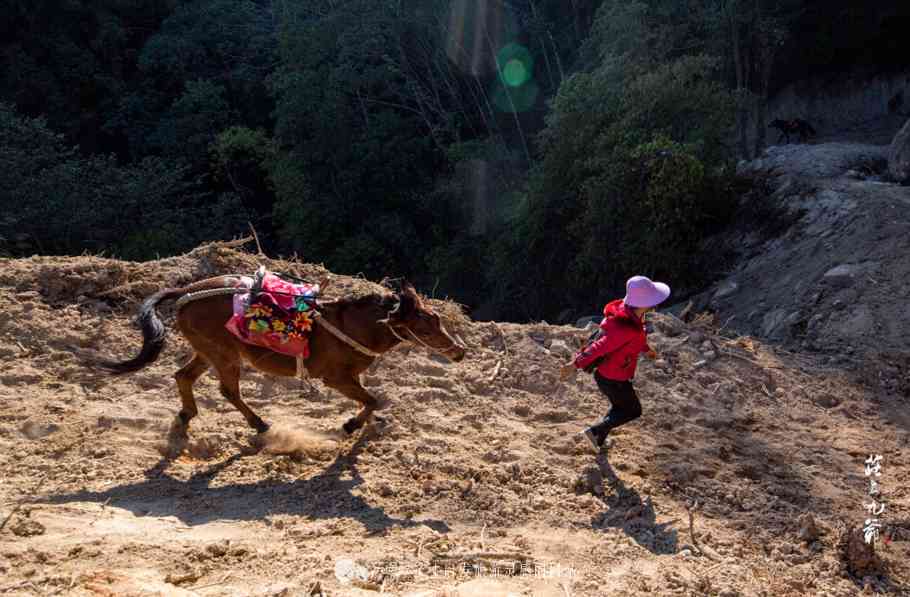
381 301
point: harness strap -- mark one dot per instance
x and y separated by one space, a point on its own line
345 338
419 341
201 294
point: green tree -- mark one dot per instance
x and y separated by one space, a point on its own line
604 200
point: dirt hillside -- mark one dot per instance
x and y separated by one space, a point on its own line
479 484
833 278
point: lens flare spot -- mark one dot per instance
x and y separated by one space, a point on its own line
516 64
515 73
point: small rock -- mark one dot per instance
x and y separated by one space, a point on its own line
842 275
26 527
696 338
899 155
33 430
590 481
538 337
217 549
726 289
826 400
561 349
347 570
859 558
668 325
808 532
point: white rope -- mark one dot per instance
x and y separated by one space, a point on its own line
345 338
201 294
416 337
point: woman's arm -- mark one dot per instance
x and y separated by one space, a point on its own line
612 339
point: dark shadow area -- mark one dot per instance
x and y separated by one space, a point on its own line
326 495
634 516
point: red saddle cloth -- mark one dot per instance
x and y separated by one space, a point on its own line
280 317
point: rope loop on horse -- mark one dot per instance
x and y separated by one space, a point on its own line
419 341
345 338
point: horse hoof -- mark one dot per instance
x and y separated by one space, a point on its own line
262 427
351 425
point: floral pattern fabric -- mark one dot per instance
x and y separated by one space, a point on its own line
280 318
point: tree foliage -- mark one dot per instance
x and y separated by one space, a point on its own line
500 153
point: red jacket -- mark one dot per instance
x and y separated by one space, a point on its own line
624 337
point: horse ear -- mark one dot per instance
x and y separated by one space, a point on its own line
408 289
407 305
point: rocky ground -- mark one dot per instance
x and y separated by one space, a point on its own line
834 279
479 484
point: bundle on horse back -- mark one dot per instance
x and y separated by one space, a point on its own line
345 339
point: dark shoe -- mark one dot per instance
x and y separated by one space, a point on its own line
596 437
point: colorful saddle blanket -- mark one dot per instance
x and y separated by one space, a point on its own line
280 317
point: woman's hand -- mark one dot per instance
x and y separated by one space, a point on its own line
651 354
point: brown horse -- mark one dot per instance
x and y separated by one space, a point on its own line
345 340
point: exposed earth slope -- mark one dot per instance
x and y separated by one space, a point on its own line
480 463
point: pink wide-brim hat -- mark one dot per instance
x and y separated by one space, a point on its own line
641 292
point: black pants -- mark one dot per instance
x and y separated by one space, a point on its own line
626 406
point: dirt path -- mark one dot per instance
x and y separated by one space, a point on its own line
469 463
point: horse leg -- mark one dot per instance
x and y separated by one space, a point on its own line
353 390
229 374
186 376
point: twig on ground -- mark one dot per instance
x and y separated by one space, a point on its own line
721 329
495 371
230 244
103 506
121 288
505 345
687 310
705 550
365 584
223 580
23 501
565 589
256 238
483 543
739 356
18 585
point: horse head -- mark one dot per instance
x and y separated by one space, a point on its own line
411 319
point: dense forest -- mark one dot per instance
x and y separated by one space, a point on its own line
526 156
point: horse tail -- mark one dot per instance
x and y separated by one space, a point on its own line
153 335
